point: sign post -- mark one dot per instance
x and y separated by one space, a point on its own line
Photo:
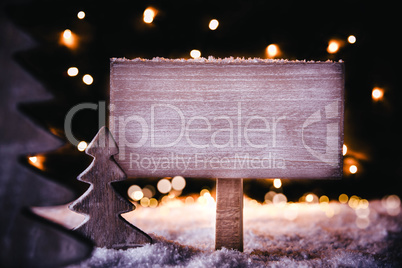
228 119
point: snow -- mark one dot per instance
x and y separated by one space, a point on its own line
275 235
212 59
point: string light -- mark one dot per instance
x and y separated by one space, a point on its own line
72 71
33 159
213 24
343 198
272 50
353 169
333 46
37 161
87 79
82 146
81 15
277 183
352 39
67 34
149 15
195 53
69 39
377 94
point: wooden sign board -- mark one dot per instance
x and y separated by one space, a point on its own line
227 118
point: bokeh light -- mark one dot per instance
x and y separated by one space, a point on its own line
132 190
153 203
352 39
272 51
87 79
37 161
213 24
149 15
82 146
277 183
178 183
344 149
377 94
392 203
279 200
195 53
72 71
69 39
81 15
164 186
333 46
33 159
353 169
343 198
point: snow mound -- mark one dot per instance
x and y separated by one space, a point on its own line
290 235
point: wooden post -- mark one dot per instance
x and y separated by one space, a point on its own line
229 214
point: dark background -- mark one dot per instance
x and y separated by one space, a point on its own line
36 92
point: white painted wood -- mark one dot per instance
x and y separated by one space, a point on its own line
227 118
229 214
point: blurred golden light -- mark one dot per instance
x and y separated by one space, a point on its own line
392 204
37 161
324 199
205 192
178 183
137 195
343 198
213 24
67 34
33 159
352 39
202 200
72 71
87 79
353 169
68 38
344 149
81 15
149 15
189 200
82 146
333 46
377 93
363 203
279 200
164 186
145 202
269 196
354 202
309 198
272 50
133 189
277 183
147 192
195 53
153 203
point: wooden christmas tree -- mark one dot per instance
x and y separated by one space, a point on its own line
102 205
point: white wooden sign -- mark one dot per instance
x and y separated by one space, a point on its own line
227 118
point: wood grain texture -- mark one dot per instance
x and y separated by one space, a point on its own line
229 214
227 119
101 204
